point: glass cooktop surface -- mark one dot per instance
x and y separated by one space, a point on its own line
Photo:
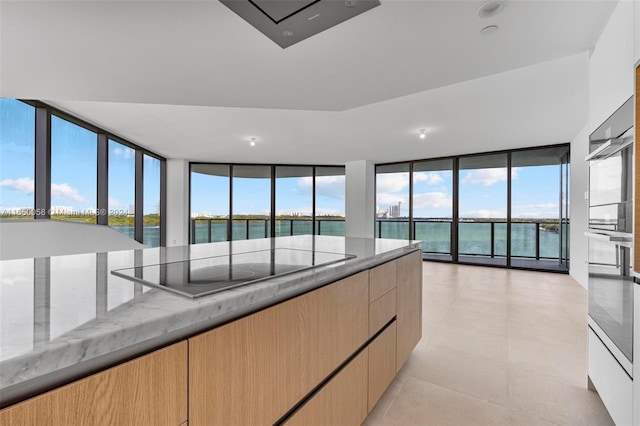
201 277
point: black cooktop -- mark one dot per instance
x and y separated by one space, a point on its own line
201 277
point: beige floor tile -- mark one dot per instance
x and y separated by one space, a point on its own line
489 323
470 341
555 400
560 359
470 374
433 312
547 331
388 397
422 403
519 417
492 308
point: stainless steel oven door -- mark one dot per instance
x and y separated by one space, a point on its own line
611 293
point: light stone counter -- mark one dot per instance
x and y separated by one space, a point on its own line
64 317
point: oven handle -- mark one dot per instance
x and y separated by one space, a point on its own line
609 238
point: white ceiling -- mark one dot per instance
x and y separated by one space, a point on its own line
190 79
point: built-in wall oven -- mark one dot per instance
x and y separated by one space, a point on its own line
610 237
611 286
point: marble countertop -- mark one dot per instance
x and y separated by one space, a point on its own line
64 317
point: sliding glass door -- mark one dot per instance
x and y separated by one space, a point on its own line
433 207
507 208
482 211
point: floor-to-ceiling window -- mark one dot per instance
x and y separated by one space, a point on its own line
294 200
56 166
507 208
151 202
433 207
74 152
330 200
17 159
392 201
265 200
209 202
251 202
122 188
482 209
535 209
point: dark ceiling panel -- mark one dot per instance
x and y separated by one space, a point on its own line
278 10
299 19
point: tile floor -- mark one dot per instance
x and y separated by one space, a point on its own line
499 347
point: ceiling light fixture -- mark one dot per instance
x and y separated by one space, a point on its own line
253 142
487 31
491 8
423 133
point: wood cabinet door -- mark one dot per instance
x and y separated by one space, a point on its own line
382 364
150 390
253 370
382 279
409 299
341 402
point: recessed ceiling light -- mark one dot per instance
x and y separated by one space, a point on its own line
253 142
487 31
491 8
423 133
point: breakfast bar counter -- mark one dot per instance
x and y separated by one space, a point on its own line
67 317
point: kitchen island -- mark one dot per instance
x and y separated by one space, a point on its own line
67 320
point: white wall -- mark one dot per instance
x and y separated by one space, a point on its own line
360 199
177 220
578 207
611 66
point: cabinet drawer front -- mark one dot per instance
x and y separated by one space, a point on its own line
382 363
342 401
253 370
382 279
409 304
150 390
382 311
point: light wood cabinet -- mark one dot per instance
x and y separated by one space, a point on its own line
382 364
253 370
341 402
382 279
150 390
381 311
409 308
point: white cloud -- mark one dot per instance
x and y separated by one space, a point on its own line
431 178
544 210
126 152
484 214
392 182
64 190
24 185
431 200
114 202
327 186
385 199
488 177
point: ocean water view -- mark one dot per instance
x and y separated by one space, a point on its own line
474 237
